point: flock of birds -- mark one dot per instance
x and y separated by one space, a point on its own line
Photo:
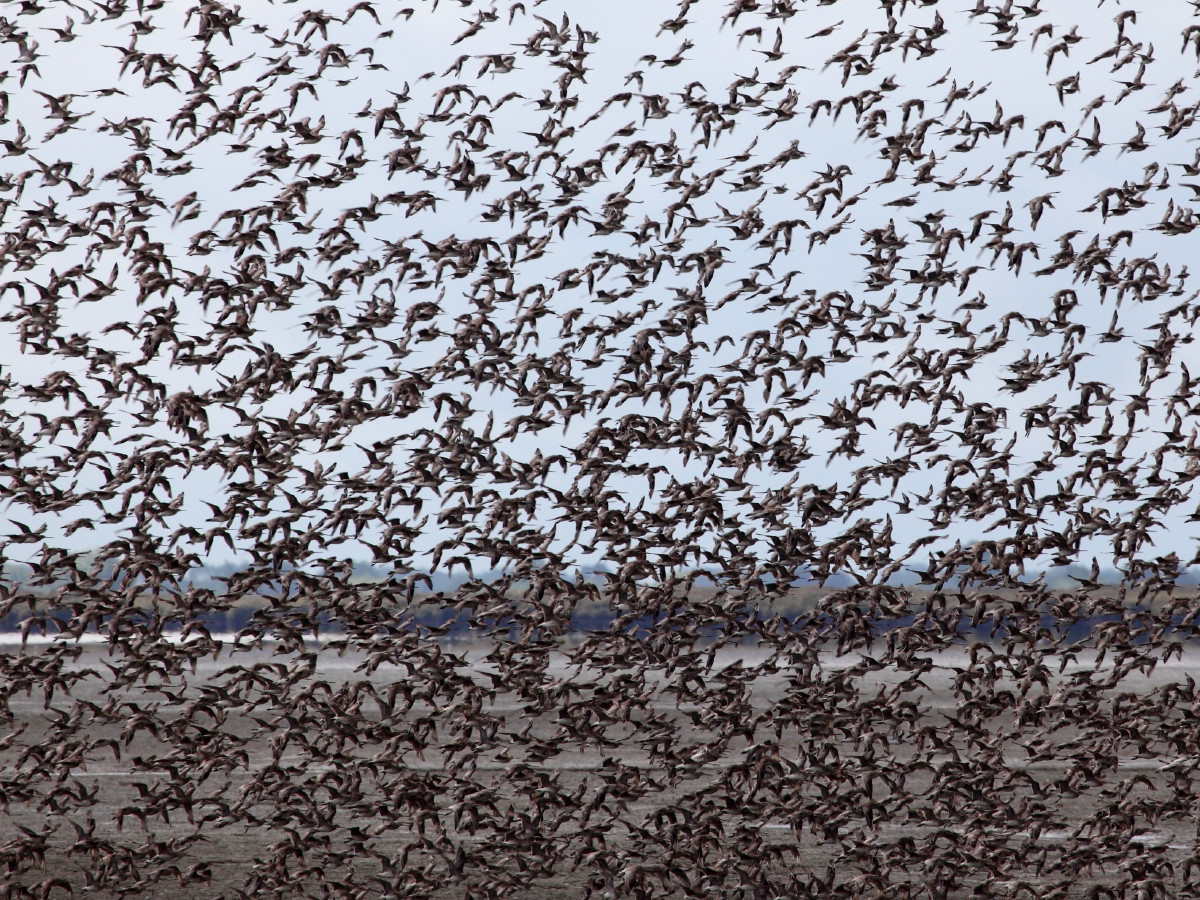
765 305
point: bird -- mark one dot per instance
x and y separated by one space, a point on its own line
497 448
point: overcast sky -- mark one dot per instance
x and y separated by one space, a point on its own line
969 79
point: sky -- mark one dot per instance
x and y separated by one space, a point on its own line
442 57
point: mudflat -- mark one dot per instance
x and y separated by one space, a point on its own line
332 776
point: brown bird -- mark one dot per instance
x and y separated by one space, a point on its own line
571 514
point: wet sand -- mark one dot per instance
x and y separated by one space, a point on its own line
315 787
